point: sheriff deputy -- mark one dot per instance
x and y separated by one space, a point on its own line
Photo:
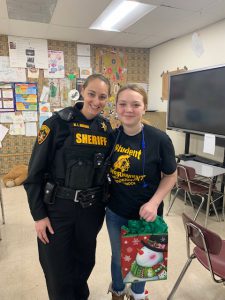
65 189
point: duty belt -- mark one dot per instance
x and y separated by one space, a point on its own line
85 197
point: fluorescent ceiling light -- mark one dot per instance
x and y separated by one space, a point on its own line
119 15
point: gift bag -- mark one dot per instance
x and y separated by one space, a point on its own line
144 250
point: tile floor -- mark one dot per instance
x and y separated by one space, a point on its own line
21 277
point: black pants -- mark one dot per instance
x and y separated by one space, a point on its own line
69 258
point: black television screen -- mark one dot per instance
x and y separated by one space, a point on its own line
197 101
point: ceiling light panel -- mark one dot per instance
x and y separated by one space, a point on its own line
119 15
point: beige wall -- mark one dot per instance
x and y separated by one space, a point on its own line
177 54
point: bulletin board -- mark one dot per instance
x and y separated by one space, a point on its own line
17 149
165 81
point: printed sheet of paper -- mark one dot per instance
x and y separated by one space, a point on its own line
33 73
26 96
209 144
31 129
83 50
29 116
6 97
28 52
83 61
45 94
3 132
44 107
8 74
43 117
17 129
56 68
85 72
7 117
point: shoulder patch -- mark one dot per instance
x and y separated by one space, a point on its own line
43 134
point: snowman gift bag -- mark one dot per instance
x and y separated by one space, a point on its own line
144 249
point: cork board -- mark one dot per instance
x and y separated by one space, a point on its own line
156 119
165 81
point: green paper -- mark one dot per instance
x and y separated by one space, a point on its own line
71 76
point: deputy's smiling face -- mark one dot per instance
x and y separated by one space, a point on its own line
95 96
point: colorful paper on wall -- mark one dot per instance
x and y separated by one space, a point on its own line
6 98
26 96
56 67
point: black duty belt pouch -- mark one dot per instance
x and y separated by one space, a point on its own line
89 197
101 173
49 193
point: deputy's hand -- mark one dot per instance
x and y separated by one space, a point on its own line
41 226
148 211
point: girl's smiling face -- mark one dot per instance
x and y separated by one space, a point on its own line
130 107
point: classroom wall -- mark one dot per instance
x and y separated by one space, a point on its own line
177 54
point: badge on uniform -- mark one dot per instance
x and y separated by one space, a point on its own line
104 126
43 134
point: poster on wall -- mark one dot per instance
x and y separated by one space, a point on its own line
112 63
26 96
6 97
8 74
28 52
56 67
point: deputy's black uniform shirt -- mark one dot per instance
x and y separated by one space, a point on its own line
59 142
136 169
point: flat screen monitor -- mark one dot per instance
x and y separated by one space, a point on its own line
197 101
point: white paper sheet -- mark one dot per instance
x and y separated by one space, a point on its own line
17 129
197 45
83 61
7 117
44 94
209 144
3 132
31 129
29 116
27 52
8 74
83 50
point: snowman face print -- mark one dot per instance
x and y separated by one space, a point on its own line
148 258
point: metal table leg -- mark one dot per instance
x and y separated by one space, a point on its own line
208 200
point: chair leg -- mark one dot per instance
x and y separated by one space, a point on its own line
185 197
199 208
177 283
190 200
171 204
170 197
215 210
223 208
